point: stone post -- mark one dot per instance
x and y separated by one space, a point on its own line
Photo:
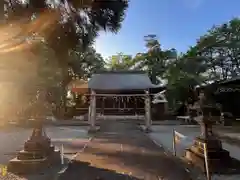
148 112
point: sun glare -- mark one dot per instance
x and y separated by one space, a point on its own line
19 65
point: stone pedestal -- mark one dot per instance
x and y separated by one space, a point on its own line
38 153
218 158
93 129
147 129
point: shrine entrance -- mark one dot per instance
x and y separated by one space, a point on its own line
119 93
122 109
120 104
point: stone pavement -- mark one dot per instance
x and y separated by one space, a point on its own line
229 134
163 135
122 151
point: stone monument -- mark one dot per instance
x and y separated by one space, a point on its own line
218 157
38 153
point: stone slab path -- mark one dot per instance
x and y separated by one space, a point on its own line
121 151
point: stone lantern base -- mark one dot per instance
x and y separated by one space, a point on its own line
38 153
147 129
218 158
93 130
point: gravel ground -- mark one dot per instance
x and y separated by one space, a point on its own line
121 151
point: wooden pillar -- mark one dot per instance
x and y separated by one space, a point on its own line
92 110
165 107
89 111
148 119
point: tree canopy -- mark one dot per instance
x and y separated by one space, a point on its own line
214 57
57 37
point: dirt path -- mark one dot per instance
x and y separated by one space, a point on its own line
121 151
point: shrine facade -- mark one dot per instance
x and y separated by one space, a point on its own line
120 93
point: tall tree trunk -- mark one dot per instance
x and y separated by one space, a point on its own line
2 11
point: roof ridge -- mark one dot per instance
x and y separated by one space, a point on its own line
121 72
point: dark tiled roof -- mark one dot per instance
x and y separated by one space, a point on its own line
120 80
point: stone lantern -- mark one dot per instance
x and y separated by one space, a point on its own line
217 156
38 152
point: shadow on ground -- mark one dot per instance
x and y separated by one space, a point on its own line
87 172
48 173
145 163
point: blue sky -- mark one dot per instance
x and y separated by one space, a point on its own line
177 23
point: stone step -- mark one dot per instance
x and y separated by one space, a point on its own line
34 146
26 155
216 165
21 166
199 160
212 154
33 165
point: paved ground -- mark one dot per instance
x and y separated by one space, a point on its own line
72 139
163 136
121 151
230 134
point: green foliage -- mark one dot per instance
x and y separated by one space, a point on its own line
220 46
155 60
120 62
84 64
214 57
68 28
74 22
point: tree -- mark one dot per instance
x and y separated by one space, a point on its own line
120 62
72 22
183 75
64 26
155 59
214 57
84 64
220 46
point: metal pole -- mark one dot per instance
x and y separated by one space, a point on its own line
174 143
206 161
